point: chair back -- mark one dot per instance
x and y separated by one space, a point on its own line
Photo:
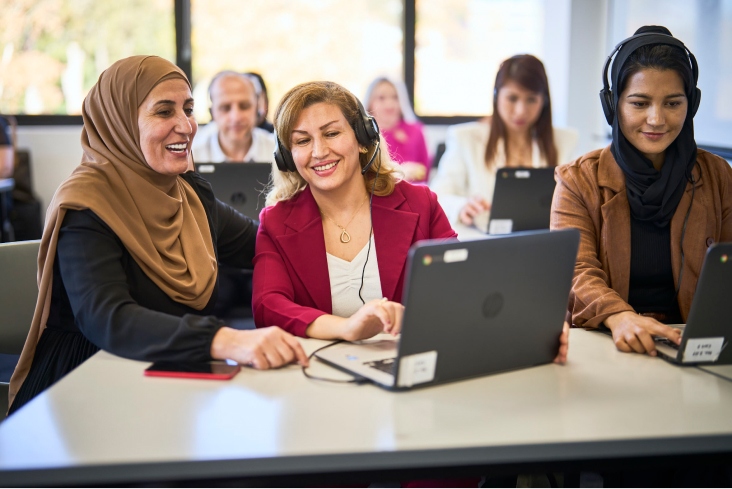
18 293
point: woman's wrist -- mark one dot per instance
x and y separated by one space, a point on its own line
614 319
221 343
327 327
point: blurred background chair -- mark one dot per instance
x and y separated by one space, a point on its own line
18 294
26 211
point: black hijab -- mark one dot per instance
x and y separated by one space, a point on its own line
653 195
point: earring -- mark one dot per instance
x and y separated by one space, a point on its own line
363 150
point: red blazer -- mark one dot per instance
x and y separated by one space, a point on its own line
291 281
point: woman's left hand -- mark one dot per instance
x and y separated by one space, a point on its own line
561 357
376 316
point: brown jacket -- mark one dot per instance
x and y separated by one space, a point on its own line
591 196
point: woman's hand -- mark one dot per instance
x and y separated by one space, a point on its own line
374 317
561 357
261 348
414 172
634 333
475 206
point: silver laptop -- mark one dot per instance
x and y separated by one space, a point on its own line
708 328
522 200
471 309
241 185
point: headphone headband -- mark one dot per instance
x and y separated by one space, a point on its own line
645 38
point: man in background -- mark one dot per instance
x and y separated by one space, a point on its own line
233 135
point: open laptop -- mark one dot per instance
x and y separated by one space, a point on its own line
522 200
471 308
241 185
708 328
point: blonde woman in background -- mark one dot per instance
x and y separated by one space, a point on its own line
387 100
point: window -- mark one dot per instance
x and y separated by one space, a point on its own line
348 42
52 51
461 43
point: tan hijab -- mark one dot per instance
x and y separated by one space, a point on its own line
159 218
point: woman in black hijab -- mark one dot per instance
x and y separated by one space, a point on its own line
649 205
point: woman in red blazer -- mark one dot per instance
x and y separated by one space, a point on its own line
330 257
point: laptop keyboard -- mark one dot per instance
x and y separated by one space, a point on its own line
385 365
667 342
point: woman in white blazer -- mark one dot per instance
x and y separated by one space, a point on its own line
519 134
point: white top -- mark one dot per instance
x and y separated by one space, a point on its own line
345 281
463 174
206 147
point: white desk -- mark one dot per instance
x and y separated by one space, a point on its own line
106 423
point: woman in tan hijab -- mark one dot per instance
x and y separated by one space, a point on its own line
128 260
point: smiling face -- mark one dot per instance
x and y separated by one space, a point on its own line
167 127
651 111
518 107
325 149
385 105
234 108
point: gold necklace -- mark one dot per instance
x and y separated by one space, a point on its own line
345 237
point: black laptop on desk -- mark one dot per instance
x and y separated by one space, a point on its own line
706 335
522 200
241 185
471 308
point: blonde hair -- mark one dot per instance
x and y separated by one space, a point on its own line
285 185
405 106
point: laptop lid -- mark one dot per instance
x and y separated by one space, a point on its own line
522 200
709 324
474 308
241 185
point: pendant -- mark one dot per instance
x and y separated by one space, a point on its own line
345 237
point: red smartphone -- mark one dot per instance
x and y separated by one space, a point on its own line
193 370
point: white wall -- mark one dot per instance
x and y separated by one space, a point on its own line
55 151
587 54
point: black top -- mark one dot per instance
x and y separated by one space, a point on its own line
103 300
651 274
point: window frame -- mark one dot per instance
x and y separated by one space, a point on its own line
183 55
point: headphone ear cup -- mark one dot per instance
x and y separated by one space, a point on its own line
367 130
606 100
283 157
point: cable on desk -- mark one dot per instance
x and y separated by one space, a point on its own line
355 380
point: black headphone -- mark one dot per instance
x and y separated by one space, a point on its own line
367 134
606 95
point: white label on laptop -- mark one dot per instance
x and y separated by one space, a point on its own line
523 174
452 256
206 169
500 226
417 369
703 349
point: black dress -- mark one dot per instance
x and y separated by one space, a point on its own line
101 298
